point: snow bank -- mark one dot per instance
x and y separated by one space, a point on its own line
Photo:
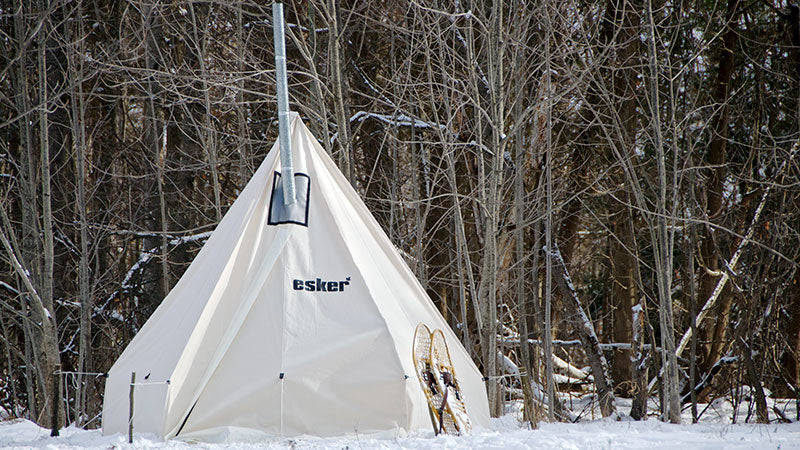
506 433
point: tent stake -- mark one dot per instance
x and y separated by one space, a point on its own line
130 408
56 400
287 171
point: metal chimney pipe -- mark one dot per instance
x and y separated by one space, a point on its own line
287 171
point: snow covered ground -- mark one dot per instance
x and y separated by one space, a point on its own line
714 432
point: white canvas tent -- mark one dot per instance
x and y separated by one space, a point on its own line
297 328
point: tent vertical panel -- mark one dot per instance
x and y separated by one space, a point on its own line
405 297
404 305
344 378
159 345
341 371
385 299
244 388
225 312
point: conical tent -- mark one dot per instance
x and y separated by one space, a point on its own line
291 321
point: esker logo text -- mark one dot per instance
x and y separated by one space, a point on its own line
320 285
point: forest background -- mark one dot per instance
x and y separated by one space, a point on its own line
611 182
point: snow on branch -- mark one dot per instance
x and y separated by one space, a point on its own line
508 366
400 120
731 264
577 343
371 86
144 258
9 288
150 234
698 388
23 273
192 238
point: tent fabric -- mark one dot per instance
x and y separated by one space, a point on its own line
287 329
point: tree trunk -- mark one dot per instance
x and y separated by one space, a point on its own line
621 30
75 61
585 331
31 247
755 383
242 134
208 133
464 263
791 359
48 340
529 410
495 181
639 362
692 281
547 334
624 293
662 245
44 352
713 334
308 50
340 90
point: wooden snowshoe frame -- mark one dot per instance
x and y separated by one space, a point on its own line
422 364
451 405
438 381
